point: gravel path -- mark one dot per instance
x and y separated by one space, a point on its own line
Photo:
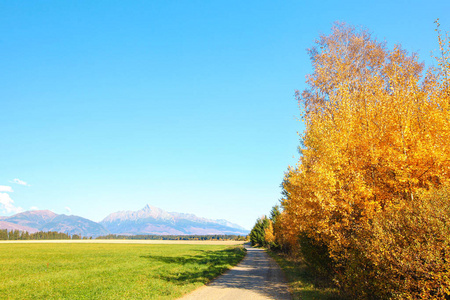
256 277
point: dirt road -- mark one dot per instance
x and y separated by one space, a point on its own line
256 277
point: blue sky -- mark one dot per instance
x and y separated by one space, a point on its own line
185 105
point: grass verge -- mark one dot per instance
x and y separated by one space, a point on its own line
303 284
110 271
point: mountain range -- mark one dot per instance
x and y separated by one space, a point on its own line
149 220
45 220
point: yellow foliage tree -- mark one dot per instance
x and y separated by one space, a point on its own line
268 233
377 133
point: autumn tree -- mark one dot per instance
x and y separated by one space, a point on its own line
377 132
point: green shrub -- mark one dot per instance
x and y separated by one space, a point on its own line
316 256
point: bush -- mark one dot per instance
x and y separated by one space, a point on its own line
404 253
316 256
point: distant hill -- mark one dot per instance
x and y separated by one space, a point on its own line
45 220
74 225
11 226
32 218
153 220
149 220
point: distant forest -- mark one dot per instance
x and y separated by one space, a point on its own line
54 235
216 237
41 235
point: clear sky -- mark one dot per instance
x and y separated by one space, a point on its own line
184 105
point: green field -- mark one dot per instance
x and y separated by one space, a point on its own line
109 271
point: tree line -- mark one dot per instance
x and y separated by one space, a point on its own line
14 235
54 235
368 203
215 237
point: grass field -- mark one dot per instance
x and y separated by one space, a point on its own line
109 271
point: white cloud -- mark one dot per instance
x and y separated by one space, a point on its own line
7 204
5 188
68 209
34 208
20 182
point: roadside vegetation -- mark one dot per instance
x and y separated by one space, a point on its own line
367 207
110 271
303 282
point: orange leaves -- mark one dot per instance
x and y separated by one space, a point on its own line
268 233
375 156
377 132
